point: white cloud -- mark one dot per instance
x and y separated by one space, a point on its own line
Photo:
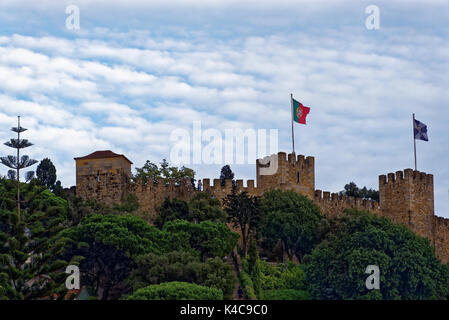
128 90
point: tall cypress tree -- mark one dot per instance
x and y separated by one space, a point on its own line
17 162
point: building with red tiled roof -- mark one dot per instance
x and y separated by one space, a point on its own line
103 175
103 155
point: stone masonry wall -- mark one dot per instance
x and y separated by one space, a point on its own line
406 197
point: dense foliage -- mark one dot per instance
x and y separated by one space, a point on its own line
244 213
185 267
104 246
407 263
177 291
151 172
292 219
46 173
226 173
202 207
189 251
211 239
27 268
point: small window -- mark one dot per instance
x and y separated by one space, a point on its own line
98 176
297 177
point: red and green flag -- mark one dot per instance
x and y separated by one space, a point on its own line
300 112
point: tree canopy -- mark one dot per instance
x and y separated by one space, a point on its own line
226 173
351 190
408 266
177 291
152 172
27 267
244 213
211 239
46 173
292 219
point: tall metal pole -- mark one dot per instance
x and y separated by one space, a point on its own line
18 169
414 140
293 135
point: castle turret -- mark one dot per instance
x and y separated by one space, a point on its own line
103 175
289 173
407 198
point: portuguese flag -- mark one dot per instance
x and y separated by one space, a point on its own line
300 112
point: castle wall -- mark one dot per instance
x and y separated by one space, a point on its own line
406 197
295 173
332 204
106 187
441 237
151 195
104 179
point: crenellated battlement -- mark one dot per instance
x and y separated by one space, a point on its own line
333 204
407 176
300 160
221 192
406 197
291 172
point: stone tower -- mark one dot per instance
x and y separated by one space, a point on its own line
103 175
407 198
293 173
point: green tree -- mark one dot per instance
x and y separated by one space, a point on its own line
203 207
176 291
104 247
27 267
58 189
408 266
171 210
17 162
184 266
351 190
254 266
151 172
46 173
11 175
285 294
292 219
244 213
211 239
226 173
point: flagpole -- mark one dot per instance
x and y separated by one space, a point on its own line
293 135
414 140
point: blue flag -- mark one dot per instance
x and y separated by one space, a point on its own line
420 130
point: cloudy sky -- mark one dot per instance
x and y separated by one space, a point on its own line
137 70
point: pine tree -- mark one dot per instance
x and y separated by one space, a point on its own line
46 173
226 173
17 162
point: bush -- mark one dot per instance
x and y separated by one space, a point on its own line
285 294
185 267
248 286
292 219
177 291
211 239
284 276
